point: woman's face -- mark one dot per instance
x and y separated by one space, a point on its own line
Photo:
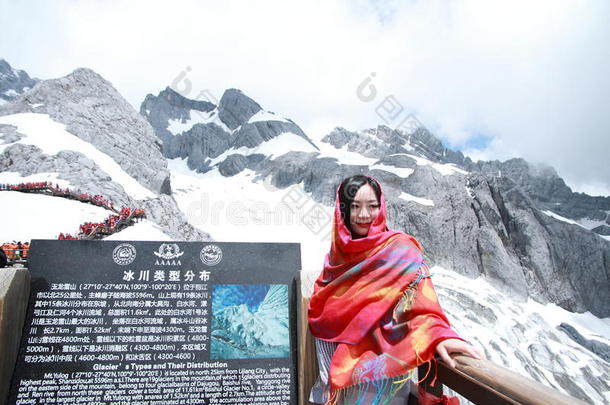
364 210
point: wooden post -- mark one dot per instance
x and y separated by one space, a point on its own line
308 362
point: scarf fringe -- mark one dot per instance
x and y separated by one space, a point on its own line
385 390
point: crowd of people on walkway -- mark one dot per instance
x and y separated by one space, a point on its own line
46 187
15 251
110 225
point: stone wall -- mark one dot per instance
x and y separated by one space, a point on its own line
14 294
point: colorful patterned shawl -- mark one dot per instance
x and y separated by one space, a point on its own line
375 299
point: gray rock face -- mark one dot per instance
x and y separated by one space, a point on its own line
165 212
94 111
602 230
170 105
86 176
13 82
199 145
427 145
542 184
370 143
383 141
599 348
72 166
232 165
235 108
479 224
254 134
223 128
487 222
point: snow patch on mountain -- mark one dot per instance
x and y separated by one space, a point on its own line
344 156
11 93
279 145
560 218
36 216
52 137
419 200
524 337
590 223
283 143
266 116
399 171
238 209
179 126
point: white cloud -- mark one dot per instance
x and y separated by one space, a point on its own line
531 75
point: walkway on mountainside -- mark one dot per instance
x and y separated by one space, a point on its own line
47 188
16 252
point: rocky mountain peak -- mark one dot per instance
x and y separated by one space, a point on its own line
544 186
228 135
176 99
91 109
13 82
235 108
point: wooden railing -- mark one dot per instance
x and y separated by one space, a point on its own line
479 381
483 382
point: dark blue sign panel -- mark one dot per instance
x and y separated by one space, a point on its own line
146 323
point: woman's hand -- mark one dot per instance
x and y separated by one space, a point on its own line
448 346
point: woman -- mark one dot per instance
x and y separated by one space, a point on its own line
374 312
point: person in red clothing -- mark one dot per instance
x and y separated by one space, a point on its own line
374 313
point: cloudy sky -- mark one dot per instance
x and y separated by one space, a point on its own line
493 79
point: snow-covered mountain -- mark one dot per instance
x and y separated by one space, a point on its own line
488 218
514 238
231 132
79 133
479 219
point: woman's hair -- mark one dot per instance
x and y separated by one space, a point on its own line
347 192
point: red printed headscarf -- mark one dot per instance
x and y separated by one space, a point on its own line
374 299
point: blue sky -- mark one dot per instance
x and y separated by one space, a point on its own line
496 79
